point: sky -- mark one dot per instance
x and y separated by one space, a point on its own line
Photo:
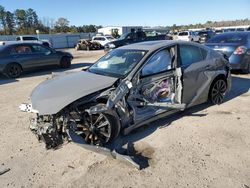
135 12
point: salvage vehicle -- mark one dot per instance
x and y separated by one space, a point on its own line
236 46
134 37
17 57
84 44
128 87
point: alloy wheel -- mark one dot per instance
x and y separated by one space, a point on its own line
218 91
96 129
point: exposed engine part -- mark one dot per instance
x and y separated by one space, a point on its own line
46 130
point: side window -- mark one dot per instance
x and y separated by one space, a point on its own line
160 62
190 54
203 53
40 49
21 50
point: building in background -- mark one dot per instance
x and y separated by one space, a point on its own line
118 30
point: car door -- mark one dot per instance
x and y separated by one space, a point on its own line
157 86
194 63
45 55
24 55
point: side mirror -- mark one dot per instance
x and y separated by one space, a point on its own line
85 68
49 52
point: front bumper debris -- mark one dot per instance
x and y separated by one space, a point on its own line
114 153
24 107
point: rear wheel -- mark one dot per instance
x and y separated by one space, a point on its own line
247 70
217 91
13 70
65 62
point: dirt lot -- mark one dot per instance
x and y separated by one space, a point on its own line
205 146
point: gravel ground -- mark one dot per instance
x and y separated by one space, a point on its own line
205 146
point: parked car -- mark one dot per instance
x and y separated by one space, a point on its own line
130 86
188 36
84 44
33 39
16 57
205 35
240 29
236 46
218 31
103 40
229 30
134 37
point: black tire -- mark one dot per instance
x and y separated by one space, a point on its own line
247 70
13 70
217 91
65 62
100 129
77 47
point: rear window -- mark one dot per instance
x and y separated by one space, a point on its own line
30 38
183 33
99 38
232 38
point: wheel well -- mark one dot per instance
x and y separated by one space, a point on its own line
220 76
15 63
102 100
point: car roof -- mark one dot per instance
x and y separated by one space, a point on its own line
155 45
10 43
235 32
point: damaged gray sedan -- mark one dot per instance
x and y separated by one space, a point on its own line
128 87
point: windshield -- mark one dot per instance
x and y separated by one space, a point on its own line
118 62
124 36
110 38
183 33
228 38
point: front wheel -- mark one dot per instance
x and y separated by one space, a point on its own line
65 62
98 129
217 91
247 70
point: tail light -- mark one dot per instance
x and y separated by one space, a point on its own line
240 50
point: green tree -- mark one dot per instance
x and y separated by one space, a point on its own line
21 21
32 20
62 25
10 22
2 18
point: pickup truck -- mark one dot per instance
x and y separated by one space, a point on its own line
135 37
33 39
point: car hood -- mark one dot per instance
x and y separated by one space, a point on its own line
54 94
